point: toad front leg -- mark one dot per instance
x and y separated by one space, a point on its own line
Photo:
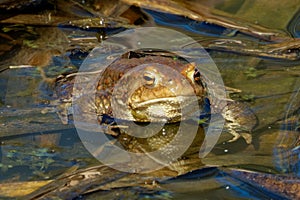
240 120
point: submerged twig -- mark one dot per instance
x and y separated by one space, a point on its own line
202 13
289 50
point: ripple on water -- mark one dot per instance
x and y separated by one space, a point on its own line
294 26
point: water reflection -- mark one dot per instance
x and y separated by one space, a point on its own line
41 155
34 146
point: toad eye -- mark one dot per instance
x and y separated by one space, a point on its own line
149 79
197 76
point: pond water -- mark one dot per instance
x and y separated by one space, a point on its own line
263 64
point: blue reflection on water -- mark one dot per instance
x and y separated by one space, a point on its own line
185 23
294 26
